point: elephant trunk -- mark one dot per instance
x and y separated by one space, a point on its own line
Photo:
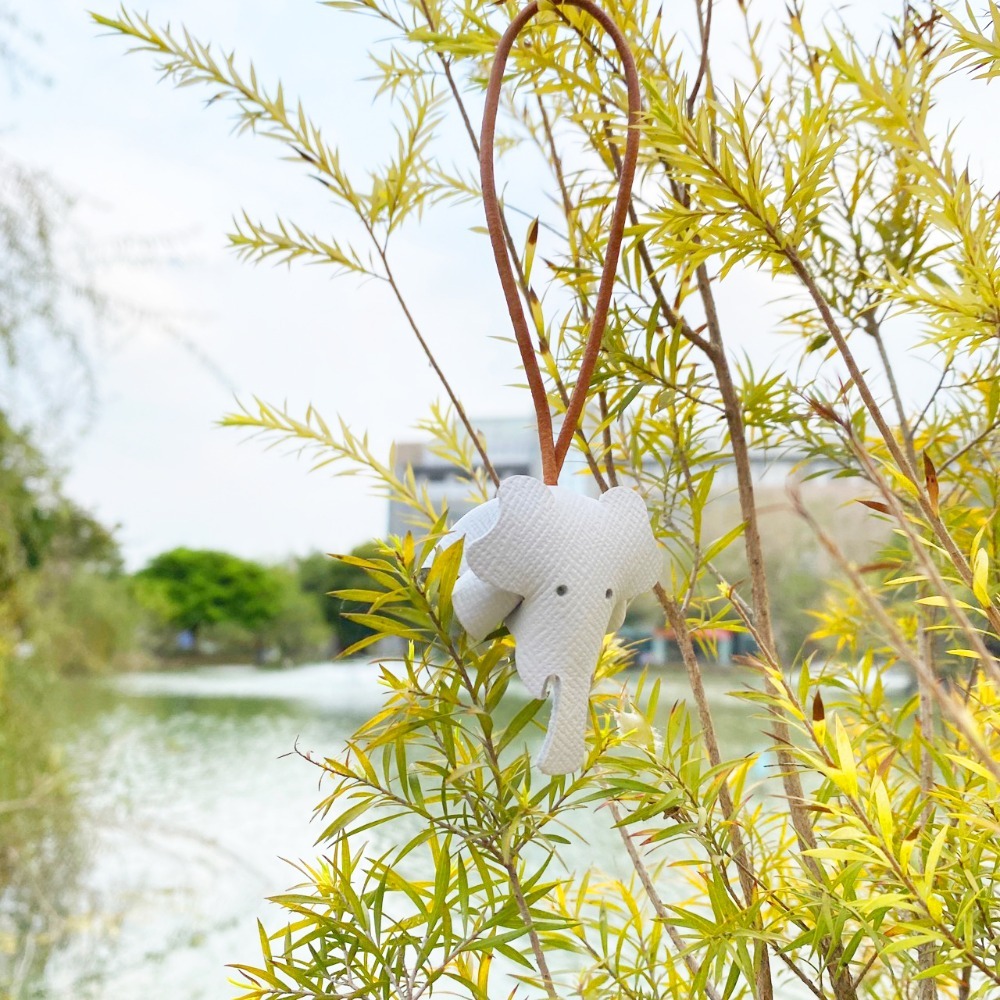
565 749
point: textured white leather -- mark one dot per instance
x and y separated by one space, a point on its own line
560 569
480 606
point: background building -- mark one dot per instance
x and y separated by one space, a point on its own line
511 443
798 570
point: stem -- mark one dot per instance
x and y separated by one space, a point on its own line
679 624
455 402
569 212
569 209
705 33
926 718
928 565
672 317
801 822
669 313
965 983
949 704
744 474
658 906
955 554
744 865
926 959
536 944
758 575
927 952
449 76
872 328
609 458
683 635
969 445
761 601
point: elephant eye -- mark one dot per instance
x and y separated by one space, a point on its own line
561 589
608 593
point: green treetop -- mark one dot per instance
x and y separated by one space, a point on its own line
197 587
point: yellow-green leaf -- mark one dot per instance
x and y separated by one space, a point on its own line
884 810
980 576
845 758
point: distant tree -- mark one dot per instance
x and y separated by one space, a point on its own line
39 525
323 575
197 587
298 630
22 481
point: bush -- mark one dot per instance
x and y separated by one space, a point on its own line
229 606
83 622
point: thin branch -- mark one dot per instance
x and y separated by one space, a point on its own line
609 458
955 711
873 329
569 212
455 401
965 983
794 791
536 944
927 952
672 317
935 392
654 897
955 554
705 34
452 86
801 821
977 440
928 564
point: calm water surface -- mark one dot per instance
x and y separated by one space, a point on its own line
191 800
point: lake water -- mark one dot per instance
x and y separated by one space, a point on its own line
191 798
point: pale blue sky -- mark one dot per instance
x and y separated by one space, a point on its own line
150 165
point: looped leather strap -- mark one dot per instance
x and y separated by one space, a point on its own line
554 452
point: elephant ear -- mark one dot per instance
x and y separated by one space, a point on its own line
511 553
640 555
471 526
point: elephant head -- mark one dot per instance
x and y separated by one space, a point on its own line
559 568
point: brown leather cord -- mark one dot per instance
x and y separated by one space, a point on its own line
554 452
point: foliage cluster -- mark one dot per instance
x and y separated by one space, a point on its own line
64 607
203 587
324 577
62 590
857 854
236 606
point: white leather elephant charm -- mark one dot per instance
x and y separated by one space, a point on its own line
559 568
